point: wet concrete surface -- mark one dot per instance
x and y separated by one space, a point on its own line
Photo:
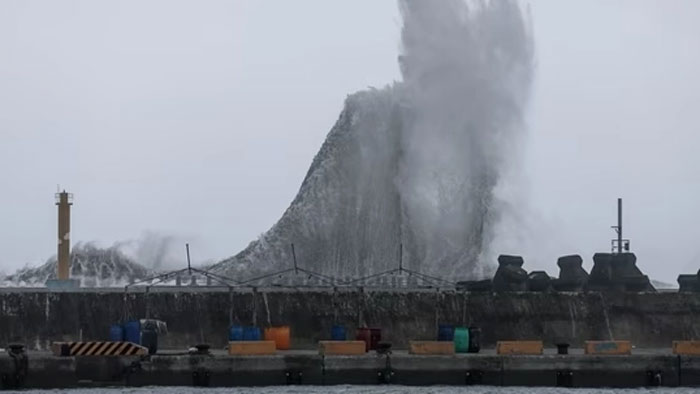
649 320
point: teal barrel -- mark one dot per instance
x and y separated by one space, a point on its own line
461 339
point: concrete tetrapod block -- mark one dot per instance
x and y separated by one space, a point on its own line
347 348
688 283
249 348
431 347
519 347
510 260
608 347
617 271
510 276
538 281
686 348
572 276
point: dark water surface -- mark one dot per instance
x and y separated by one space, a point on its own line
366 390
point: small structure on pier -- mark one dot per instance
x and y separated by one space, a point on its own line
617 270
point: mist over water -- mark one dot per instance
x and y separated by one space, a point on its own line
90 264
155 251
417 163
116 265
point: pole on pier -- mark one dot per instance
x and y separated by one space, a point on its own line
619 225
294 257
619 245
189 264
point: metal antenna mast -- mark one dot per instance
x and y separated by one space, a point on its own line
619 245
619 225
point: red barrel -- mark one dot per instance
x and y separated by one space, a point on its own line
375 338
364 334
371 336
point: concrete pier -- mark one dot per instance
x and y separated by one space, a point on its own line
647 368
37 317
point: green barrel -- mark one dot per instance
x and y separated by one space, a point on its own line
461 339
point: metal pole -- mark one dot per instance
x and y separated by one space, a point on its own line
189 266
619 225
148 304
230 306
294 256
255 306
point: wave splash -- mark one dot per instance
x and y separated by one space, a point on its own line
92 265
416 163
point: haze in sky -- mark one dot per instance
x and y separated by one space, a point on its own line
197 121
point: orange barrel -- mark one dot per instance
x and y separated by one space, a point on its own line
282 340
280 335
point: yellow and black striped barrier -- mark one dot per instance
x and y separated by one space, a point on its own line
98 348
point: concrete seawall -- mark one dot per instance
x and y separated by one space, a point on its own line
307 367
35 317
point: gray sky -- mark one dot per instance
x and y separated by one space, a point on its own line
198 120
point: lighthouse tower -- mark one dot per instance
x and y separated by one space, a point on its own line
63 280
64 201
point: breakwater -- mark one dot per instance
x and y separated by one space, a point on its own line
309 368
36 317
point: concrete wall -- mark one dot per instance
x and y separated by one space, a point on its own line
36 317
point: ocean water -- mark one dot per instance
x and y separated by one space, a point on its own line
365 390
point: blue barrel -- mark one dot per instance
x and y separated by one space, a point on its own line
446 332
339 333
116 333
235 333
132 332
251 334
